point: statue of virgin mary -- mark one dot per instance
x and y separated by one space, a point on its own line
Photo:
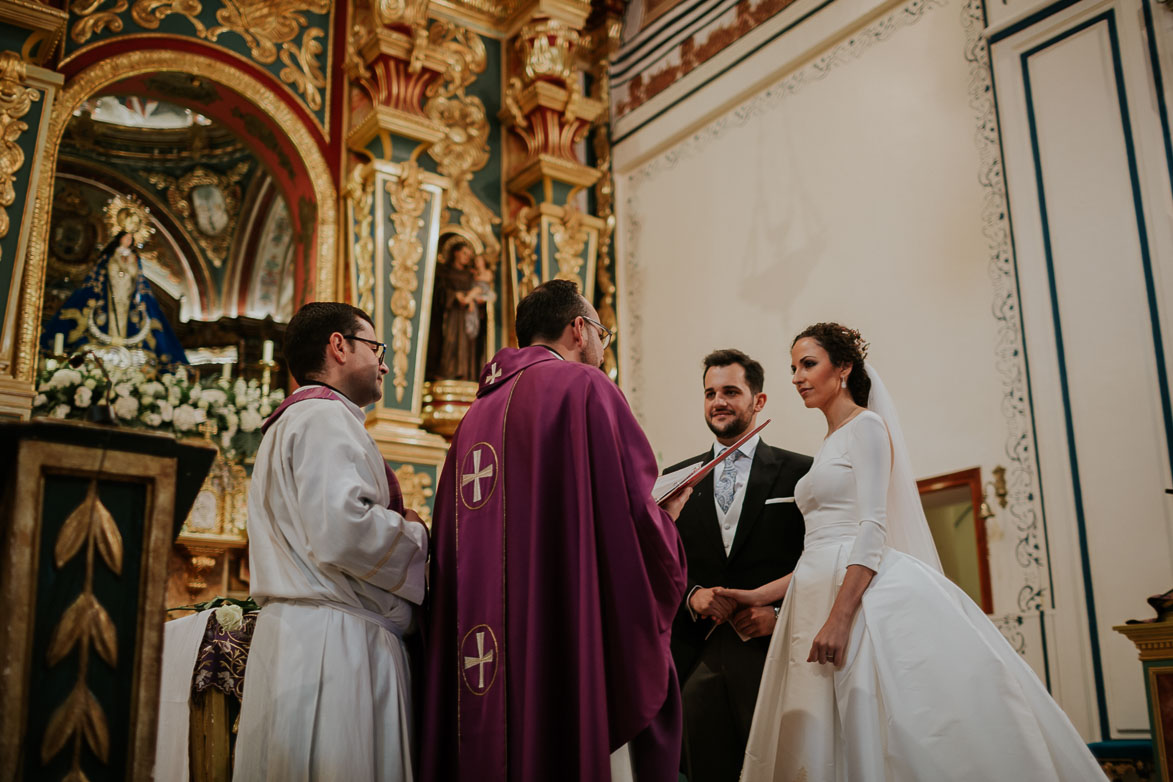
115 312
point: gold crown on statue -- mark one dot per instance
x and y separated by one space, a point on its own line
127 213
454 239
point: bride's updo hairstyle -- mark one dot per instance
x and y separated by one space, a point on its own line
844 346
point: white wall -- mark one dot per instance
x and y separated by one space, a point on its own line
852 170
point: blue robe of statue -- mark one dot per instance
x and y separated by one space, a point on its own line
94 300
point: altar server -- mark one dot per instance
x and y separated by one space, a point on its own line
337 565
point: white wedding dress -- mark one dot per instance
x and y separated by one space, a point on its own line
930 690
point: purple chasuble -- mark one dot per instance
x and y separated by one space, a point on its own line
315 391
554 582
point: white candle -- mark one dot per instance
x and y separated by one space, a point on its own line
226 372
58 343
267 351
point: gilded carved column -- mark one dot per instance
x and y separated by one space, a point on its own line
414 148
27 91
551 232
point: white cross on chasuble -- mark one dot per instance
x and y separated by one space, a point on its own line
494 374
477 475
481 659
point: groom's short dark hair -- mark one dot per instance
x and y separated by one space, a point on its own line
755 376
548 310
309 331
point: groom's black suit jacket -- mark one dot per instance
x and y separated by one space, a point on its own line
766 546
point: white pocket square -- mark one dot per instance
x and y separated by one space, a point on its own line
778 500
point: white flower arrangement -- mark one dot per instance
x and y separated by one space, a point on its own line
168 402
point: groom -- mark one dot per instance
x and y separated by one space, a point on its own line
741 529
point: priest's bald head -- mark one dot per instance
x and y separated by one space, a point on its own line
556 315
334 344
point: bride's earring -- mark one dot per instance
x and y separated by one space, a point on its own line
843 382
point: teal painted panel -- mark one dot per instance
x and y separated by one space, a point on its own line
27 142
57 589
272 41
486 183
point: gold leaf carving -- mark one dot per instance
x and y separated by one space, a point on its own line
79 714
15 102
103 633
109 538
73 625
76 528
408 199
92 21
361 192
417 487
265 23
525 242
149 13
570 237
303 71
464 149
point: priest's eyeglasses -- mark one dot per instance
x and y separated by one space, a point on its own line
605 334
380 348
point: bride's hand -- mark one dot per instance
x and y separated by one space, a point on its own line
830 645
746 597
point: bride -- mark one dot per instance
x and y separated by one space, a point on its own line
880 668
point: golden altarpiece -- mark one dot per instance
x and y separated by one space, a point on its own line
263 154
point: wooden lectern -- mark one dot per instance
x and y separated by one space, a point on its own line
88 515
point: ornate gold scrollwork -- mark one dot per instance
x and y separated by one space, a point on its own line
570 237
605 210
464 149
547 49
525 243
94 19
15 101
303 70
149 13
408 199
361 192
211 228
263 24
84 625
417 487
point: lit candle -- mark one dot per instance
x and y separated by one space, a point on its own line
226 372
267 351
58 343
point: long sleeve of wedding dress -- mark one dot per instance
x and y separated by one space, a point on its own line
870 456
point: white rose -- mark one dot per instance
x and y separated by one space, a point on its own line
82 397
203 403
240 388
126 407
175 396
214 396
152 419
63 378
184 418
90 383
266 410
230 617
166 410
277 396
195 393
250 421
60 411
123 389
40 401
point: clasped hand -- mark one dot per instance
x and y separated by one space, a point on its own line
736 606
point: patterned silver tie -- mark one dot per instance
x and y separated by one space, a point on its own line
727 484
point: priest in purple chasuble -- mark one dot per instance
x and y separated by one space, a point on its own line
338 566
554 576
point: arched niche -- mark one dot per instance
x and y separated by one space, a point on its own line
300 171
